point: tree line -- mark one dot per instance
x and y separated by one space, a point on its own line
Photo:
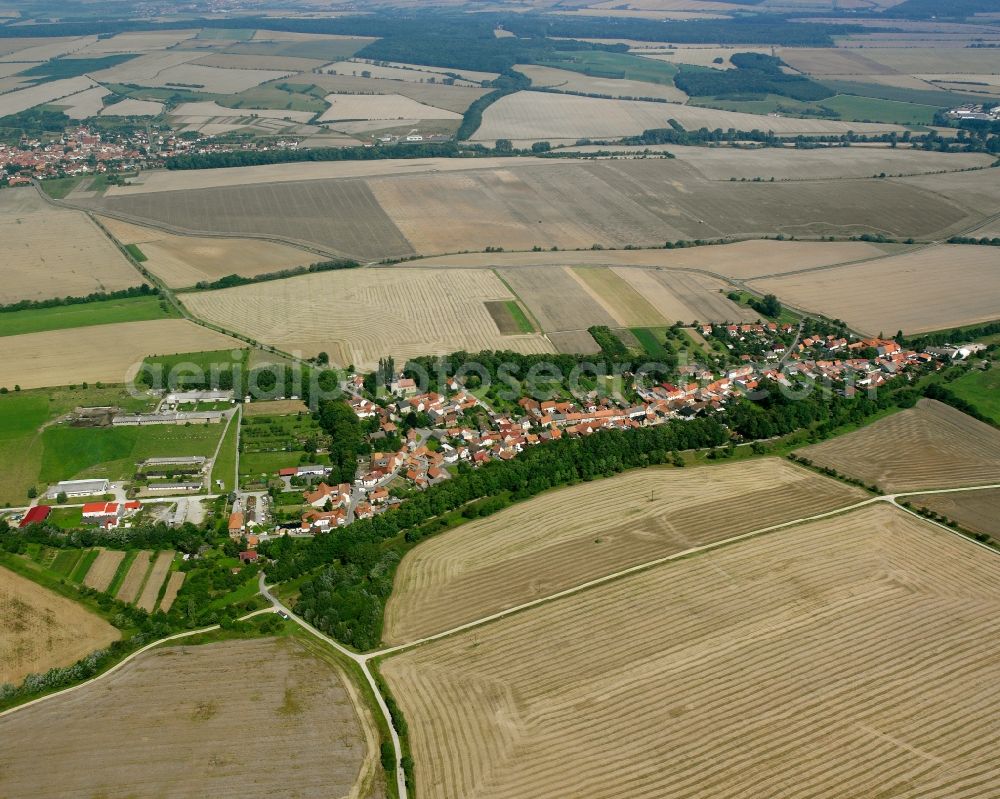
229 281
145 290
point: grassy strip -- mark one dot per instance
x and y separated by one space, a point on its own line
103 312
519 316
83 565
224 468
135 252
399 722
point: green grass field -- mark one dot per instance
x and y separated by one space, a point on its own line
23 413
224 468
651 340
281 96
86 314
193 368
862 109
614 65
135 252
58 188
981 389
519 316
59 68
112 452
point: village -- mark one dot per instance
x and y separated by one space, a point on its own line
439 430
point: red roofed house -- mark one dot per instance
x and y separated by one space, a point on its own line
99 511
248 556
36 515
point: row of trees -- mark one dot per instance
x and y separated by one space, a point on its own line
144 290
241 280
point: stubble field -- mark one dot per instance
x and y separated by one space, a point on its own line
567 537
186 260
103 569
51 252
40 630
523 204
157 574
849 657
529 115
312 733
978 511
742 259
933 289
358 316
100 353
565 80
931 445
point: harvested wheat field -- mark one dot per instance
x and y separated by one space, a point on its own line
51 252
565 538
22 99
627 306
151 591
851 657
348 107
359 316
306 719
40 630
186 260
521 204
102 570
129 589
174 584
109 353
977 511
932 289
723 163
931 445
556 299
546 116
457 97
686 297
742 259
565 80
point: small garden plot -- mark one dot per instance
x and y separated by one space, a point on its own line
270 443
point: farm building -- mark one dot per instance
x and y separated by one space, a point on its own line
79 488
172 417
175 487
36 515
303 471
184 460
179 397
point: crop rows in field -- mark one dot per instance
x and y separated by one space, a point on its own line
931 445
847 657
567 537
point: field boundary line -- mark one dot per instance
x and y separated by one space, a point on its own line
886 498
640 567
128 658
